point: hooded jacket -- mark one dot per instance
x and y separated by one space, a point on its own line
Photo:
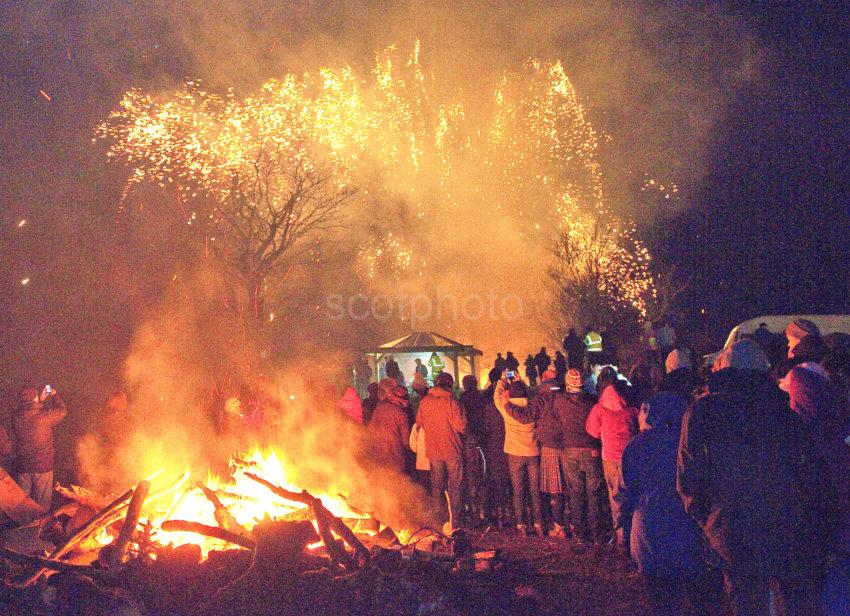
826 416
613 422
33 426
390 431
665 541
520 438
443 420
748 474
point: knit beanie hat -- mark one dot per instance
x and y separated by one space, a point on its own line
744 355
800 328
676 359
574 382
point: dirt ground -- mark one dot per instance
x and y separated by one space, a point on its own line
531 575
566 578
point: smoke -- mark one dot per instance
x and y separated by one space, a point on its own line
184 361
655 80
177 355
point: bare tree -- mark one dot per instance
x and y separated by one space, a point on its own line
280 208
591 285
669 286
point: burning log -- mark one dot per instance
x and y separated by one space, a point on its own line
111 513
320 511
337 553
83 496
222 514
47 563
214 532
118 549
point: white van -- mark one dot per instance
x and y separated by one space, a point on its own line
827 324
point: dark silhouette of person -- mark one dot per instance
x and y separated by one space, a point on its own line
574 348
560 367
531 369
543 360
392 369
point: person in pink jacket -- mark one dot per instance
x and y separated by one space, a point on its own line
614 422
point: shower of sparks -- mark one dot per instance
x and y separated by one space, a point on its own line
667 190
387 253
390 134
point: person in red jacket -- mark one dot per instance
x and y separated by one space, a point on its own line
444 421
389 428
33 424
615 423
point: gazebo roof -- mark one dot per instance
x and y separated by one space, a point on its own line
424 342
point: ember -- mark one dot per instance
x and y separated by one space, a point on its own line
236 503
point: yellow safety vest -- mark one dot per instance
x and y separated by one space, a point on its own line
593 342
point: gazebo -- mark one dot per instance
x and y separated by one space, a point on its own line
434 350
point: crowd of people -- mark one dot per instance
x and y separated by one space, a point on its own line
731 479
734 478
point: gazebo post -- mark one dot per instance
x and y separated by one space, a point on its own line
375 375
457 372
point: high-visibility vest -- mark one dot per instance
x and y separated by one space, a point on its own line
593 342
437 364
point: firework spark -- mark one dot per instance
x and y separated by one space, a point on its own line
390 134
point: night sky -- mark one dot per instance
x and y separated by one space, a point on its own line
762 229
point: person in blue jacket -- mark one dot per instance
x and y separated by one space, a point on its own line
666 544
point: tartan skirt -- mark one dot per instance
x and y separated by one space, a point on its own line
552 480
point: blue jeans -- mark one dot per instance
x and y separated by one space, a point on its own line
525 477
447 476
38 486
584 484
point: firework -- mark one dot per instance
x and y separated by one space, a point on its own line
392 136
